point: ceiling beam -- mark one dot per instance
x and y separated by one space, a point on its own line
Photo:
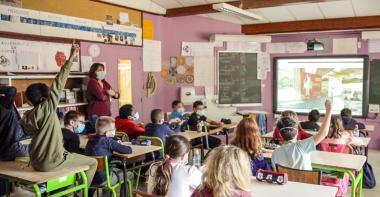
247 4
364 22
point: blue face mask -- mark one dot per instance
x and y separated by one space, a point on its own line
80 128
201 113
181 110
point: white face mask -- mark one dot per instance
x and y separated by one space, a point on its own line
101 75
181 110
201 113
136 117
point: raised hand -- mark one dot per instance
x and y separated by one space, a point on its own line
74 51
328 105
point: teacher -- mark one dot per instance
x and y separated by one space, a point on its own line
99 92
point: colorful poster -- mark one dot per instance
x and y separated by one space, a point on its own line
180 69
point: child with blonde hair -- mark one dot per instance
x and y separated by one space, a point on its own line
227 173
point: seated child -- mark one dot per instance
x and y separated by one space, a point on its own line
173 177
199 116
301 133
348 121
248 138
178 113
227 173
158 128
102 144
74 125
339 136
312 124
11 132
296 154
126 122
46 148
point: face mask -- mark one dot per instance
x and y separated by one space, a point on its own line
181 110
101 75
201 113
80 128
136 117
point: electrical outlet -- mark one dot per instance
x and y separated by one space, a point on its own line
374 108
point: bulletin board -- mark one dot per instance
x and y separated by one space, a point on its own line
88 9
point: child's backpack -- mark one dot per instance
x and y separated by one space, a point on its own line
369 180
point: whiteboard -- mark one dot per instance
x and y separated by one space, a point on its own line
33 56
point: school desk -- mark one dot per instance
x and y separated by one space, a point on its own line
227 127
293 189
23 173
346 163
192 135
137 155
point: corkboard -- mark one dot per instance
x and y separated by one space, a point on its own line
88 9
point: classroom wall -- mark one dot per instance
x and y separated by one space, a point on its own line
171 32
268 83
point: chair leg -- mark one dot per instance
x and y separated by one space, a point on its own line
97 192
138 178
113 193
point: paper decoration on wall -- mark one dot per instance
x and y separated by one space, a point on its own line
33 56
152 56
275 48
263 65
86 63
179 70
244 46
26 21
374 45
151 85
197 48
204 71
286 47
345 46
148 27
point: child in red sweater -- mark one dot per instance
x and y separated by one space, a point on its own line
126 122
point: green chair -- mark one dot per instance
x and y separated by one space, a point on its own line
156 141
104 167
62 186
123 136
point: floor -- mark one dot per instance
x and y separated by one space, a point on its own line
374 160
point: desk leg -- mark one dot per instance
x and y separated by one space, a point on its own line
227 138
8 188
125 179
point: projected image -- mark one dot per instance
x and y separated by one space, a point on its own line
304 84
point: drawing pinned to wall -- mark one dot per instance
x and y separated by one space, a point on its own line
179 70
151 85
33 56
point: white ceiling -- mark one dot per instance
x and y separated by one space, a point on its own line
294 12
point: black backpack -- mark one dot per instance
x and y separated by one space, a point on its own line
369 180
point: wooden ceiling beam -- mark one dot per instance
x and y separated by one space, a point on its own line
247 4
364 22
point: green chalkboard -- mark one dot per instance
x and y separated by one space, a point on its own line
238 83
374 83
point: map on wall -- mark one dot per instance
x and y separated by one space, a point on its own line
179 70
33 56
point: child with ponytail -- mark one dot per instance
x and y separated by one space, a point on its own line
173 177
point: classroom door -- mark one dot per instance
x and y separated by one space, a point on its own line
125 81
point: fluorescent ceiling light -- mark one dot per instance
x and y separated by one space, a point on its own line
230 9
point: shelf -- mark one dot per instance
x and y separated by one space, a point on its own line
33 76
59 106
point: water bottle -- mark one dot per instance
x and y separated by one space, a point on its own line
356 131
197 158
200 126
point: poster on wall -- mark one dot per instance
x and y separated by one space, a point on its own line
33 56
26 21
180 69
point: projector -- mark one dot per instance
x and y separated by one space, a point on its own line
315 45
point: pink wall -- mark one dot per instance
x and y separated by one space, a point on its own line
171 32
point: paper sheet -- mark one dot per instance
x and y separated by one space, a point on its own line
123 18
275 48
86 62
244 46
152 56
197 49
296 47
374 45
263 65
209 92
204 71
345 46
